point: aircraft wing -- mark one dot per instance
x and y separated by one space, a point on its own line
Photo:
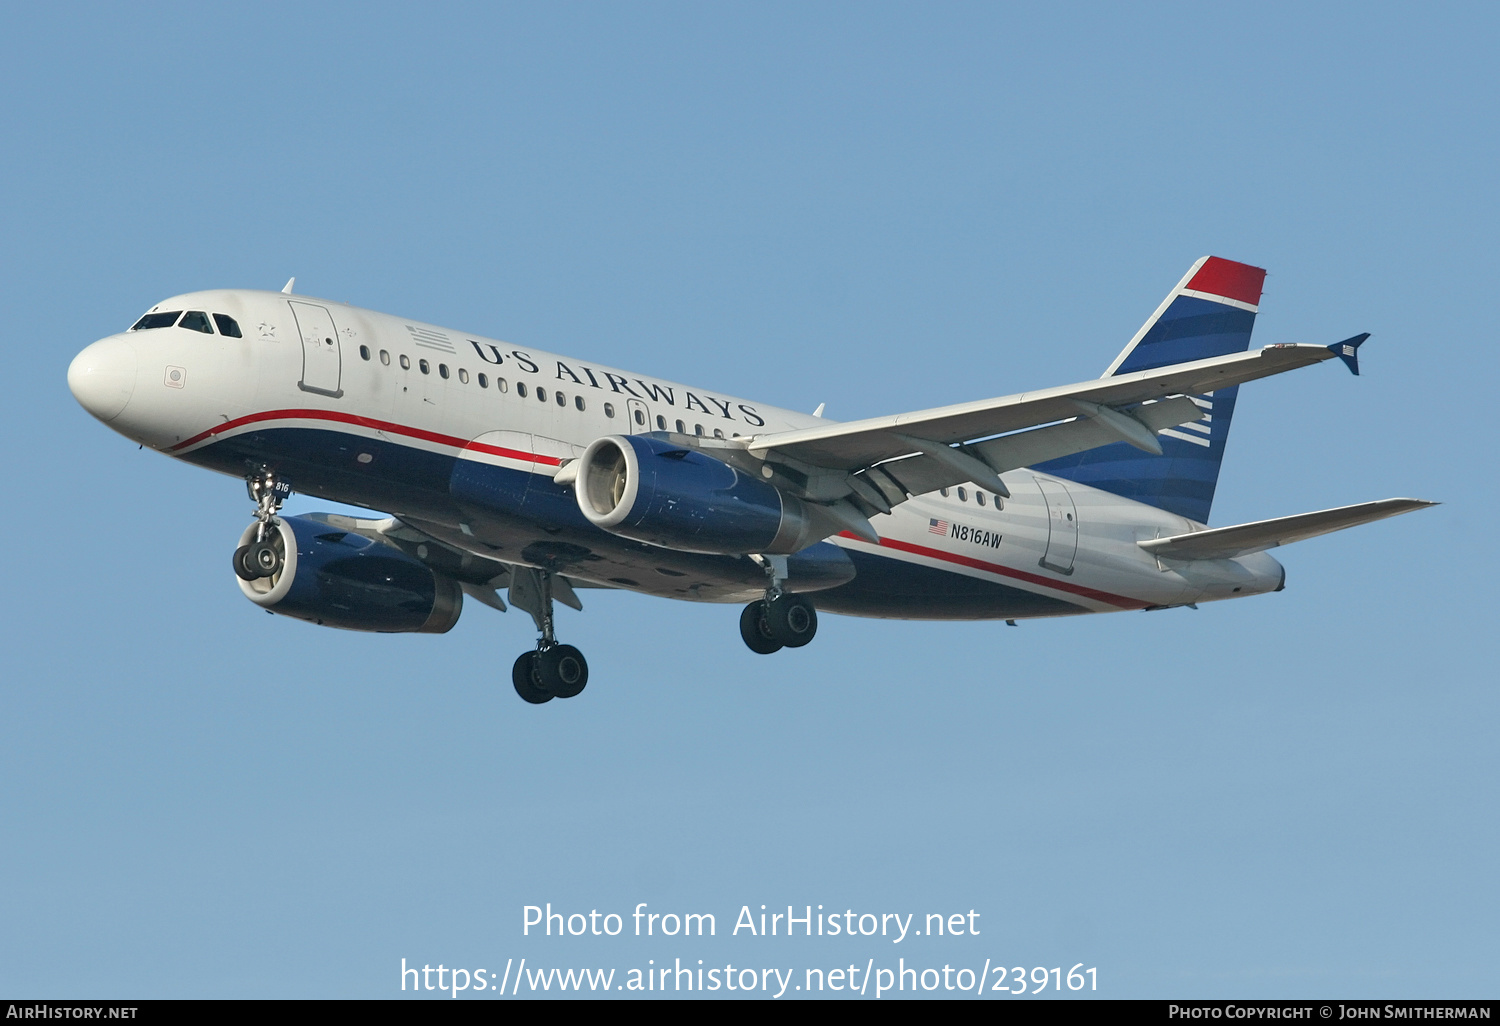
1243 539
884 459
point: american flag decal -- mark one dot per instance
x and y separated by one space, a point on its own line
937 527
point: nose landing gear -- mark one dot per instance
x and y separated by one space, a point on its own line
264 556
780 620
553 670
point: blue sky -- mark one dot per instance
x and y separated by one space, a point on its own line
877 207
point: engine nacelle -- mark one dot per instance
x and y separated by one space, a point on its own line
336 578
653 491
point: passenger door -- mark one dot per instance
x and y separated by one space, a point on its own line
322 361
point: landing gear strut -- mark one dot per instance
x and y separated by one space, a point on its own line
553 670
781 619
263 557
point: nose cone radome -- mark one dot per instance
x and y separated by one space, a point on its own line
102 377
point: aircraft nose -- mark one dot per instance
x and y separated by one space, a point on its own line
102 377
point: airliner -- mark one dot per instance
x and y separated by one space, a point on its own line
517 477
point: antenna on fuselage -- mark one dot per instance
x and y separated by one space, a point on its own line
287 288
819 411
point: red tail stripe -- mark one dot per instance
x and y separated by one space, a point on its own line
1005 571
1220 277
338 417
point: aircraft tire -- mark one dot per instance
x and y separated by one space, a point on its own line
563 670
264 559
792 619
523 678
756 630
242 569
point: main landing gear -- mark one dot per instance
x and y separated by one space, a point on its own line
781 619
553 670
263 557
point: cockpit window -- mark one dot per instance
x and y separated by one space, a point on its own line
157 320
227 326
196 320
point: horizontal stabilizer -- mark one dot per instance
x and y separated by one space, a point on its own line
1243 539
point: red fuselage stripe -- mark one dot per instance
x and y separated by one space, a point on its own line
374 425
1005 571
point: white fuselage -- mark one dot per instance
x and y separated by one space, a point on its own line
361 407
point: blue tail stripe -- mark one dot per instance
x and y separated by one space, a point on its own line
1191 329
1183 478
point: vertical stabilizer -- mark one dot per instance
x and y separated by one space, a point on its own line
1210 313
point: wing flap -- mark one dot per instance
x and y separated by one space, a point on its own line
1243 539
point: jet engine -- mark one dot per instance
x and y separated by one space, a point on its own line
336 578
653 491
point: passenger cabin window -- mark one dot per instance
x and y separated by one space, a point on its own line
979 498
196 320
463 376
963 495
228 327
484 380
424 366
661 422
578 402
520 389
364 352
405 362
385 357
541 393
609 410
562 400
157 320
443 370
680 429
